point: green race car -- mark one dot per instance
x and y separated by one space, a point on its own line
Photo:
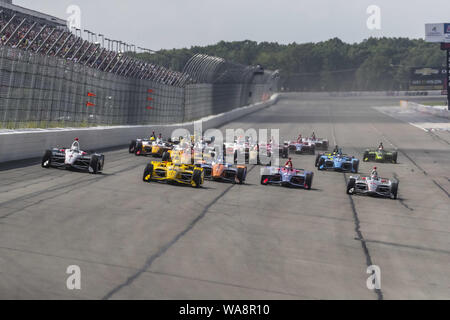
378 155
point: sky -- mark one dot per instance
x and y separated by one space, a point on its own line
167 24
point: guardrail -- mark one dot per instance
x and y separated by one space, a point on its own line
318 94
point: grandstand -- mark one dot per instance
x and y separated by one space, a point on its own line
50 76
43 34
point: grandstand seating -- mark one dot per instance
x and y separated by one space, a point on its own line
32 34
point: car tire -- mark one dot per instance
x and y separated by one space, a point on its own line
138 149
351 186
285 153
197 178
394 190
47 159
148 171
235 157
94 164
241 175
265 180
316 164
166 157
356 166
321 162
366 156
132 146
308 181
394 157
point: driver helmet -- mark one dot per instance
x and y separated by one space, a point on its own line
75 145
374 172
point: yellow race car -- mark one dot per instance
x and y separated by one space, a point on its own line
178 156
174 173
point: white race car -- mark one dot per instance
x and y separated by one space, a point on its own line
74 158
318 143
374 186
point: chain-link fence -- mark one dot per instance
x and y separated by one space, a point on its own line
44 91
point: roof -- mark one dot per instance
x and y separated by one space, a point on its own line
6 4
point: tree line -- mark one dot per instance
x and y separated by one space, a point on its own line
333 65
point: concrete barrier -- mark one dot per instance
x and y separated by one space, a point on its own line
438 111
377 94
26 144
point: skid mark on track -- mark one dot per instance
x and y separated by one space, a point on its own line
168 245
437 138
402 201
228 284
408 246
64 187
413 162
360 236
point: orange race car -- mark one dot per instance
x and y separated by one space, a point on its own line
225 172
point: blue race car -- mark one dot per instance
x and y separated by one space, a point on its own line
337 161
287 177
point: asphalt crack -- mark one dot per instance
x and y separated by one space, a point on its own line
360 236
149 262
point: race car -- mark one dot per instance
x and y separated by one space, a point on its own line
319 143
337 162
260 154
133 144
73 158
283 150
380 155
374 186
174 173
224 172
287 177
302 147
155 148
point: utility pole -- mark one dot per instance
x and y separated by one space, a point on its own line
446 46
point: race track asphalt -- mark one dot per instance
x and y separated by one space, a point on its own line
134 240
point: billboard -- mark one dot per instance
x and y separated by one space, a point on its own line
437 32
428 78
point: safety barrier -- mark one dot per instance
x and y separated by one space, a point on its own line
16 145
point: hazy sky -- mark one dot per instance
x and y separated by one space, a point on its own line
157 24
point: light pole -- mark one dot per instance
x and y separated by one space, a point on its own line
102 36
88 33
446 46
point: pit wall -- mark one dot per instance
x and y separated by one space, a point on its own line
388 94
18 145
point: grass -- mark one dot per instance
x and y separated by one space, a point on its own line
433 103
